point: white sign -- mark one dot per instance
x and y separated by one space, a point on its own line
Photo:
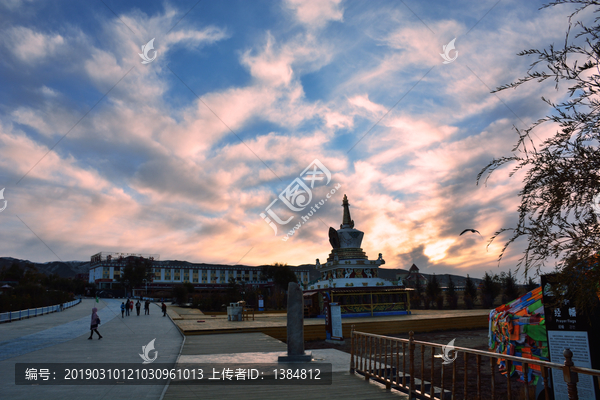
261 303
336 322
558 341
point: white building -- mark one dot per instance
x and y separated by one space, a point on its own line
105 271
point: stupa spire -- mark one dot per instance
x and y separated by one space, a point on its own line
347 220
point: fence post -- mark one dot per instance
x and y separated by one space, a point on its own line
352 349
411 363
570 377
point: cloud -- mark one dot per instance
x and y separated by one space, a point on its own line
269 67
364 102
31 46
316 13
206 36
152 168
49 92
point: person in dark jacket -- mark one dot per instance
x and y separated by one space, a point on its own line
94 324
138 307
147 307
127 307
164 309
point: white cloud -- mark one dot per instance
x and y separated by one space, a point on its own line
316 13
31 46
48 91
270 66
196 38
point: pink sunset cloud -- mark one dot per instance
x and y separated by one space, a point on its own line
154 167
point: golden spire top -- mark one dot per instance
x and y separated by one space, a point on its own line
347 220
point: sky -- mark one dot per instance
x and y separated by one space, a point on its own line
188 129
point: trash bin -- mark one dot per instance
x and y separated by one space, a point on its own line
234 312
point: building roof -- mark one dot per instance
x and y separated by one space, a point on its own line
414 268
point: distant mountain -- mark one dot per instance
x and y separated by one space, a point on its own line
66 269
389 273
458 280
443 279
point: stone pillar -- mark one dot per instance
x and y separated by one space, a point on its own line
295 326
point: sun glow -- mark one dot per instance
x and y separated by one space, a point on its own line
437 250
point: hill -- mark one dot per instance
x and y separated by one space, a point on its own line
64 269
443 279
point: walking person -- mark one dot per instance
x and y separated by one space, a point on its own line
131 305
94 324
147 307
127 307
122 310
138 306
164 309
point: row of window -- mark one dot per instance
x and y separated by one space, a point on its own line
204 271
223 277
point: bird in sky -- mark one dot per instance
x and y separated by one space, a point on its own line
469 230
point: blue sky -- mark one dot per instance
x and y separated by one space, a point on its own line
181 155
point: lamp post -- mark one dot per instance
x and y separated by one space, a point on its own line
146 282
126 285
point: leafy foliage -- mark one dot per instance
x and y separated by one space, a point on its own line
451 296
439 301
530 285
470 293
433 289
416 295
34 289
180 294
281 274
490 289
136 270
510 291
562 174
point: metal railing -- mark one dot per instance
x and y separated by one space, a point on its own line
378 357
34 312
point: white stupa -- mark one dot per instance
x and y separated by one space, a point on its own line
347 264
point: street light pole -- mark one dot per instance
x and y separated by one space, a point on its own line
146 282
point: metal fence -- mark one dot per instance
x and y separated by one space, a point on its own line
35 312
384 359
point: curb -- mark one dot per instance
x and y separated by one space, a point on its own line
178 356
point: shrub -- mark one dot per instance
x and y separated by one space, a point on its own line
180 294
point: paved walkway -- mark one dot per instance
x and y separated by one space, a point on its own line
241 348
62 338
